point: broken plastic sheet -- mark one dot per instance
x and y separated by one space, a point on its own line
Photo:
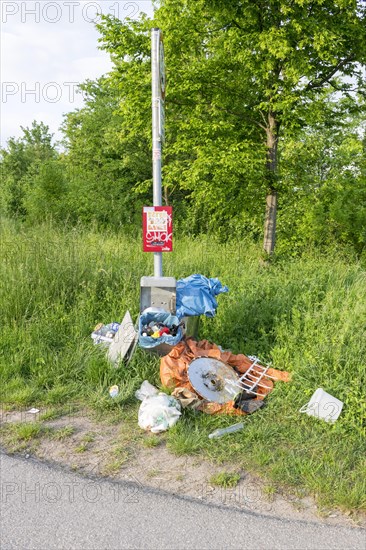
196 296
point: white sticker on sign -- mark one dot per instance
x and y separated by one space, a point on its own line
157 220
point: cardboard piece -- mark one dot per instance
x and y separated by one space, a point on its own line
124 342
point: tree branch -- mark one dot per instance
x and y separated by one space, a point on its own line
240 115
325 78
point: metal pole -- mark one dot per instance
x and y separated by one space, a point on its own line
156 139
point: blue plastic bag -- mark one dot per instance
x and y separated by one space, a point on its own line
158 317
196 296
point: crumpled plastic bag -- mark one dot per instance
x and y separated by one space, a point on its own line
196 295
146 390
158 411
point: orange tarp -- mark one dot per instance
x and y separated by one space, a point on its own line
174 371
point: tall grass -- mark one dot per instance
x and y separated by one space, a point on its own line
307 316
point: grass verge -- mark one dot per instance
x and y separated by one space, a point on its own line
306 316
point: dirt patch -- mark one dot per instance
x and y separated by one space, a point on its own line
124 452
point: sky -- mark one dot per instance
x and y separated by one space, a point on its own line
46 49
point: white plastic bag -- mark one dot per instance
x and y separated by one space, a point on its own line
146 390
158 411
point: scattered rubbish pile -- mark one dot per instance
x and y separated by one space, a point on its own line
200 374
157 327
120 339
156 330
166 305
205 377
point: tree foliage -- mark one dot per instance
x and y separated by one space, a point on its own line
103 166
21 163
239 75
264 63
265 104
323 171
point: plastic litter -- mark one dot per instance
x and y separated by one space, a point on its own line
156 329
253 379
158 411
114 391
229 430
33 410
196 295
323 405
104 334
146 390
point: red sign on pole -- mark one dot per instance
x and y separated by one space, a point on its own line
157 228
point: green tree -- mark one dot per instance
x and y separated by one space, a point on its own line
212 159
103 162
21 162
323 173
238 75
264 63
46 195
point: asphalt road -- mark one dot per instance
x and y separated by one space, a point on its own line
43 507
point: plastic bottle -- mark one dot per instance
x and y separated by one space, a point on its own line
228 430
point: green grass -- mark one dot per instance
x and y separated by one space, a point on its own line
27 431
60 434
225 479
88 438
307 316
21 436
151 441
82 448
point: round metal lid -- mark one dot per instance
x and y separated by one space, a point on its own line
213 379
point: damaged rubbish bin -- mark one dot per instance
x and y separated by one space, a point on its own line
191 326
156 318
186 300
157 308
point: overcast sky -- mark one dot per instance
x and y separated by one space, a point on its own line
47 48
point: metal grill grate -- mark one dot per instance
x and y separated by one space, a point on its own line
251 379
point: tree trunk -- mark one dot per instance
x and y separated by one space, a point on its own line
271 200
270 223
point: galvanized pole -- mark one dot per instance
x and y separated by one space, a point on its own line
156 135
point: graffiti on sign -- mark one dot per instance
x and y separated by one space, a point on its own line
157 229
